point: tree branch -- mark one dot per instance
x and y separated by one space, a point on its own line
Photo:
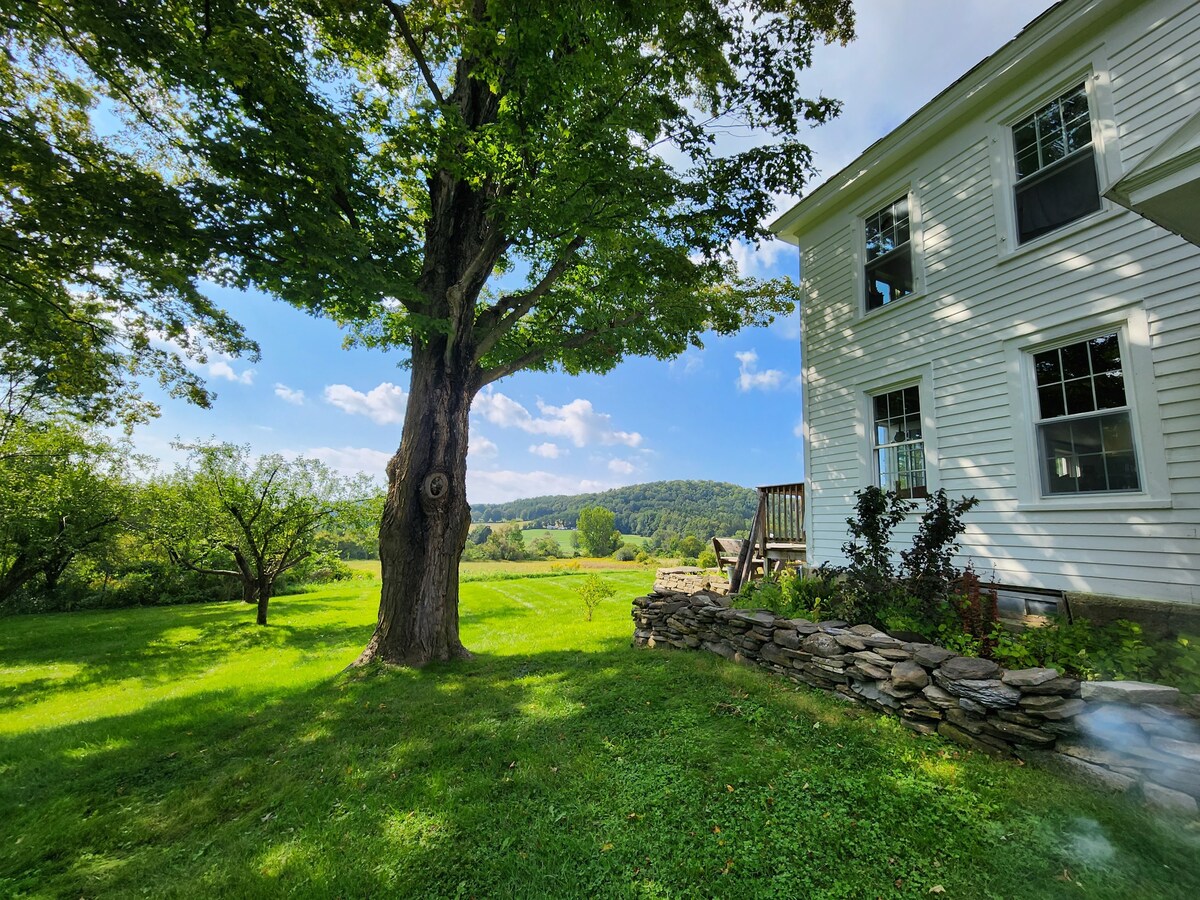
397 12
535 356
176 557
499 319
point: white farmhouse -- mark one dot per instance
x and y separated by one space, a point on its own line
1002 299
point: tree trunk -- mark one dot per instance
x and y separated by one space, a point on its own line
249 589
426 517
264 588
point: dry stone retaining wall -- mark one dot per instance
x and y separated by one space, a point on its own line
1119 735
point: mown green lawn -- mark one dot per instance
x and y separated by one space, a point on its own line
186 752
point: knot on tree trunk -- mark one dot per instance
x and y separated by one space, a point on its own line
435 490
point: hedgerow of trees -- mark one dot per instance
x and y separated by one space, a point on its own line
82 526
663 511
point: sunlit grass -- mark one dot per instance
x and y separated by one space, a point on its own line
184 751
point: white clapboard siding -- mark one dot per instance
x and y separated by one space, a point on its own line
974 297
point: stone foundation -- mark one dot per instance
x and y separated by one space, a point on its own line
1122 736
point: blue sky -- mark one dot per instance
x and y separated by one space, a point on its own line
729 412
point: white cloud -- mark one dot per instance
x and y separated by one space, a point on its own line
222 369
798 431
577 421
480 447
352 460
499 486
760 260
547 450
285 393
621 467
688 363
383 404
750 378
219 364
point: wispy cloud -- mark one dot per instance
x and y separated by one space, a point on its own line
760 260
482 448
577 421
383 404
621 467
749 378
690 362
352 460
501 485
222 369
547 450
285 393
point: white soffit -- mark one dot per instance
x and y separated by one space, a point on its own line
1164 186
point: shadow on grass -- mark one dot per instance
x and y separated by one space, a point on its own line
162 644
565 773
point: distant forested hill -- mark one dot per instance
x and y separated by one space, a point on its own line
703 508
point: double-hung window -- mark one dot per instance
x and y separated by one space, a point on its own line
1055 165
899 449
889 268
1085 430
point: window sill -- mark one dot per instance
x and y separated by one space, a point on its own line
1007 253
868 314
1086 504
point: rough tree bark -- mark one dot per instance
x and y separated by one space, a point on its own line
426 517
425 520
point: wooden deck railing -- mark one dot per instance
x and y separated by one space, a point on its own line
776 533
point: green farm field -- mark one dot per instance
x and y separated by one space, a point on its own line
183 751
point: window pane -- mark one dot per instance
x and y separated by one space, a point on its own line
888 272
1079 396
1075 361
1117 433
1064 194
1051 402
1050 134
1122 472
899 453
889 278
1110 390
1105 353
1085 435
1093 450
1025 144
1047 367
1092 476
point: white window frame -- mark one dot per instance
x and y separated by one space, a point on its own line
879 200
1131 325
922 379
1093 72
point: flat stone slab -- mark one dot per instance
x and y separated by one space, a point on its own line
1063 687
1068 709
763 618
1132 692
850 641
969 668
787 638
822 645
1184 749
907 675
930 655
869 656
867 671
1028 677
989 692
1165 798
